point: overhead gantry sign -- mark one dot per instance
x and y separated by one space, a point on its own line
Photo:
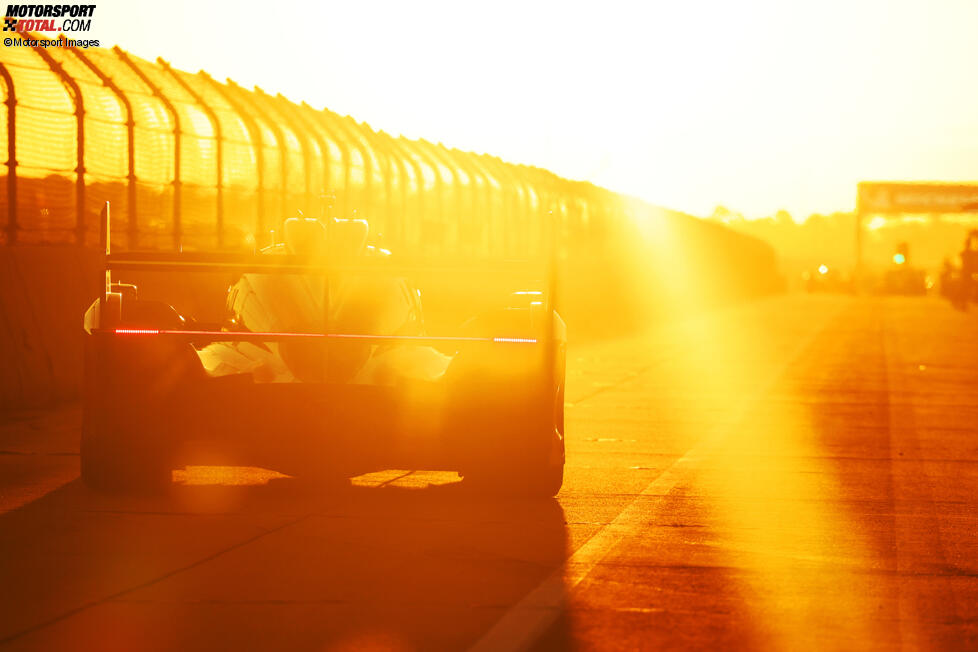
899 198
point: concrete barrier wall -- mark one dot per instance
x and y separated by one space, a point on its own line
651 275
43 294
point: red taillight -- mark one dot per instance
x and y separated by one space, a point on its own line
248 335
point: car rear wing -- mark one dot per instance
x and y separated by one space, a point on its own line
110 301
240 263
293 264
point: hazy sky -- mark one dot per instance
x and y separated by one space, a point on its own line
756 105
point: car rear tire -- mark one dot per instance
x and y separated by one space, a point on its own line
535 473
541 480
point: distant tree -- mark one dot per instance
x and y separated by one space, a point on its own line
725 215
721 214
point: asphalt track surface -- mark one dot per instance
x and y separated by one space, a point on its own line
799 472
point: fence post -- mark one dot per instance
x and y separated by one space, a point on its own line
403 156
397 222
340 130
320 118
300 125
387 170
219 147
483 215
79 103
456 185
291 109
133 233
545 195
368 173
280 143
177 145
301 136
413 147
256 139
11 103
509 184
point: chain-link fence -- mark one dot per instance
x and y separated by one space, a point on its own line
190 163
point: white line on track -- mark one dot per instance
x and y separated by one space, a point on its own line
529 619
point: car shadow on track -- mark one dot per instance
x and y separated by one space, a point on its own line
279 565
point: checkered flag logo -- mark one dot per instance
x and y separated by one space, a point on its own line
10 24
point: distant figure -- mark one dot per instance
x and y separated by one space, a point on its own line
969 268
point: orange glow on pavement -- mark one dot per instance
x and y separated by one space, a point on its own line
225 476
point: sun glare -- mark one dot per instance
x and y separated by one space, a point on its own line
688 105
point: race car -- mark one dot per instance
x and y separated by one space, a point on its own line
321 368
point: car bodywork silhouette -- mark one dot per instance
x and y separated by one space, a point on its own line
321 368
